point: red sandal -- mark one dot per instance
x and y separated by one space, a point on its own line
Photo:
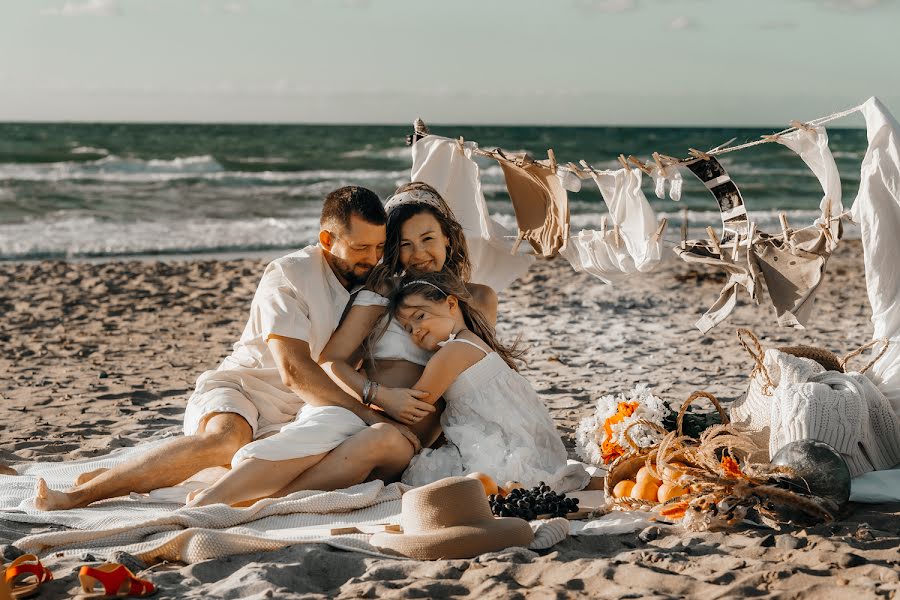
117 582
25 575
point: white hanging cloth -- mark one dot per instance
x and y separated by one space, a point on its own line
450 169
632 245
877 210
812 146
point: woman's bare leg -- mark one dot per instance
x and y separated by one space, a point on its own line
254 478
380 449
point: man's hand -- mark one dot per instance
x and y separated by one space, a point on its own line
404 405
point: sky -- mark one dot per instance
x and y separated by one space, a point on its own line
555 62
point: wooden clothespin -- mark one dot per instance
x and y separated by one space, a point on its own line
519 238
785 228
826 226
752 237
624 162
698 154
603 225
588 168
639 164
663 223
461 144
684 227
714 239
574 168
552 158
657 158
617 236
801 125
737 244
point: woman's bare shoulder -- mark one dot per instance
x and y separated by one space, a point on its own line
483 295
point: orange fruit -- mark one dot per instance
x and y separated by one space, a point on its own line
644 473
666 492
490 486
671 473
513 485
623 488
645 489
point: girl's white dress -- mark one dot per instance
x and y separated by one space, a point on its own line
495 423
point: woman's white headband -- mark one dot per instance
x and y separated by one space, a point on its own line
416 197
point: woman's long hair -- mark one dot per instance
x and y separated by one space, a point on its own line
457 261
436 287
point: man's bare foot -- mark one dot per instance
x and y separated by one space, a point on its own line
47 499
5 470
85 477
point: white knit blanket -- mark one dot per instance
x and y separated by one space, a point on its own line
156 531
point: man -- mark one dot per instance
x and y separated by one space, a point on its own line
272 372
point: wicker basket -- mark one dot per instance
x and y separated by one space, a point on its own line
627 465
828 359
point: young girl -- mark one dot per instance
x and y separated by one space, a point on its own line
494 421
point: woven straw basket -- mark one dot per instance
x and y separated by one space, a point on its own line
627 465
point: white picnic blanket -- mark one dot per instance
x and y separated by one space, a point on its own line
156 530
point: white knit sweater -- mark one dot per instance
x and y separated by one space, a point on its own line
844 410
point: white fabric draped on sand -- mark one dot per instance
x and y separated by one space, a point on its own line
451 170
636 248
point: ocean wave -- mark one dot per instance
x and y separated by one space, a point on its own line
88 150
369 151
129 170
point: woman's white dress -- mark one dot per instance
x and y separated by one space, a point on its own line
494 423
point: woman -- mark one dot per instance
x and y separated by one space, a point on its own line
423 236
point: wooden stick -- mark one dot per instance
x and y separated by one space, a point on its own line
684 227
737 244
617 238
752 235
603 225
552 157
624 162
715 239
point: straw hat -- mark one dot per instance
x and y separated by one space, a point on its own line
450 518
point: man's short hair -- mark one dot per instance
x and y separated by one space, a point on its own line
350 200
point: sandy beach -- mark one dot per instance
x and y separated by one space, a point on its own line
103 355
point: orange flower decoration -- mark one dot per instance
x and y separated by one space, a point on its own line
609 449
731 467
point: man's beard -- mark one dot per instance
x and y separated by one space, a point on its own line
348 273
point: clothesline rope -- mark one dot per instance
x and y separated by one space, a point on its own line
587 168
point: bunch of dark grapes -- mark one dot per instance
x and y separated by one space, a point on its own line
528 504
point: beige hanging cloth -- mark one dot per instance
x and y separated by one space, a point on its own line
539 200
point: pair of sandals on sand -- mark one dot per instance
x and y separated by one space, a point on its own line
25 576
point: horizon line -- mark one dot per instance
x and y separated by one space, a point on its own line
399 124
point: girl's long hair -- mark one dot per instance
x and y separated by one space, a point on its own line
457 261
436 287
